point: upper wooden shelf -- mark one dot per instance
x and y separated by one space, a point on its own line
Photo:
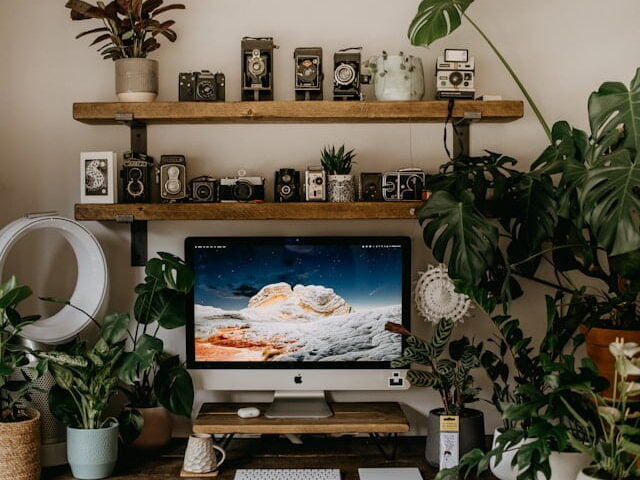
248 211
297 112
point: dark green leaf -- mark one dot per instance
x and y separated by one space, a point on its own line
114 327
174 389
130 422
436 19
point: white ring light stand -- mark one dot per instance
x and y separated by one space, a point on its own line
89 295
91 287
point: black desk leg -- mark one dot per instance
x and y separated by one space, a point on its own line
395 441
225 440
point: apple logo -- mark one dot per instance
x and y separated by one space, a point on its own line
297 379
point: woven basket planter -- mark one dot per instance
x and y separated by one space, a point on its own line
20 448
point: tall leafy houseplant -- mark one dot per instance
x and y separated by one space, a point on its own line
19 426
151 377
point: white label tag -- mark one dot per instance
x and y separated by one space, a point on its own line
449 441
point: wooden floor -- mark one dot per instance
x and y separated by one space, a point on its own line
345 453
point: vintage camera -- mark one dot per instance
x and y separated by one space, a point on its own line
371 187
287 186
455 74
203 189
137 175
315 180
201 86
257 68
172 177
406 184
346 74
242 188
309 76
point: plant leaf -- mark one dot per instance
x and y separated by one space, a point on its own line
114 327
174 388
436 19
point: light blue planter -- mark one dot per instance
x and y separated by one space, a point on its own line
92 454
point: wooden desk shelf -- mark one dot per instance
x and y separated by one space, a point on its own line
296 112
248 211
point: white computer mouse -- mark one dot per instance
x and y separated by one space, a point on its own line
248 412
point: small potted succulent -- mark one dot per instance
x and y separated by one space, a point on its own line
129 33
86 380
19 426
397 77
341 186
450 377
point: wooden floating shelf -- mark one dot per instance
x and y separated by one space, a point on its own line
248 211
298 112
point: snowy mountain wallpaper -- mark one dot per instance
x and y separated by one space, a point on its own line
288 303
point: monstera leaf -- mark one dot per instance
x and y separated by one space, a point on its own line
611 201
436 19
614 104
454 229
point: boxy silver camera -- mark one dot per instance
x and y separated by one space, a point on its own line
315 180
172 177
406 184
455 75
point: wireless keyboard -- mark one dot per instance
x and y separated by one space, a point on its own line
287 474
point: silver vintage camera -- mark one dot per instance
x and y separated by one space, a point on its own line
347 77
203 189
455 75
172 177
242 188
406 184
315 180
308 73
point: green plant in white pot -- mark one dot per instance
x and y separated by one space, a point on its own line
341 186
86 380
129 33
19 426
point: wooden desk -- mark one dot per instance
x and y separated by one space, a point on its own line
345 453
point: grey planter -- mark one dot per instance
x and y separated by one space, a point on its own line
341 188
92 454
136 79
471 433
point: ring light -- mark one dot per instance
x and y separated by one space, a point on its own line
91 285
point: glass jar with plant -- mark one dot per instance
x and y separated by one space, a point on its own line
19 425
450 377
337 164
86 380
129 33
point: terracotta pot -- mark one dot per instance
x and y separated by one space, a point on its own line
597 343
20 448
156 431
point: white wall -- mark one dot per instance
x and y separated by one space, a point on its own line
563 49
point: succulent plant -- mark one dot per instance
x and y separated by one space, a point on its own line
337 162
130 26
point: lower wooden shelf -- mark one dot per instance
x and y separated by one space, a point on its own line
222 418
248 211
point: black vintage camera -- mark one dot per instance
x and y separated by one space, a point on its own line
201 86
137 175
406 184
346 74
287 185
257 68
242 188
203 189
371 187
172 177
308 73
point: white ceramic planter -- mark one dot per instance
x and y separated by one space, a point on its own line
397 77
504 470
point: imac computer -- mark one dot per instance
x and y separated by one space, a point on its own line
298 316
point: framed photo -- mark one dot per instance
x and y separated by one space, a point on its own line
98 177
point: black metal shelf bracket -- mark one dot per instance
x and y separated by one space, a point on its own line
461 144
139 237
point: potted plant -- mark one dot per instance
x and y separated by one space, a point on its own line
450 377
341 186
19 426
129 33
86 381
612 443
155 382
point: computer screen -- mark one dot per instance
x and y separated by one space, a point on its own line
297 302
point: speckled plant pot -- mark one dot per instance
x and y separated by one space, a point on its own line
92 454
341 188
136 79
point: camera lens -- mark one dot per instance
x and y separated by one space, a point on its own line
455 78
206 90
318 181
286 178
203 192
286 191
345 74
242 191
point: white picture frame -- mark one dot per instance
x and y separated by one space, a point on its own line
98 177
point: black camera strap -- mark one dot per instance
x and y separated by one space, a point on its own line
450 107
